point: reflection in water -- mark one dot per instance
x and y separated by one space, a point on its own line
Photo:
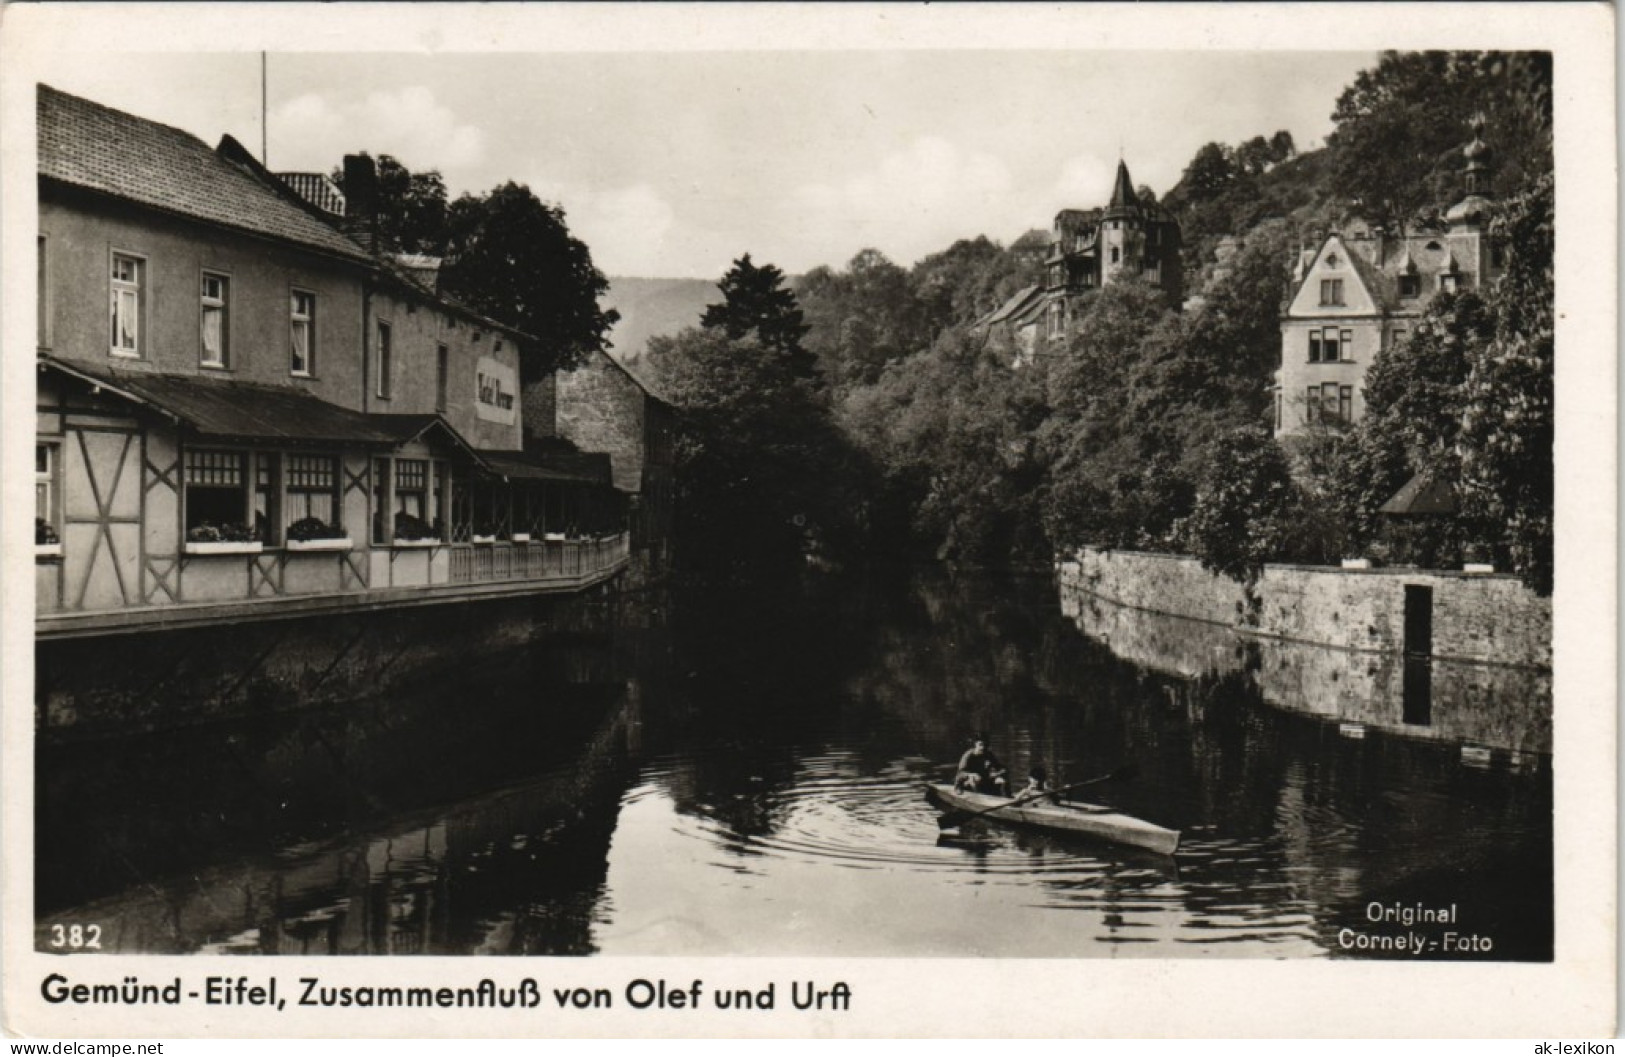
1495 706
748 779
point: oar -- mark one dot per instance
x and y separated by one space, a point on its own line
954 819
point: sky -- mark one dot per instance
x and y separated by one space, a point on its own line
675 163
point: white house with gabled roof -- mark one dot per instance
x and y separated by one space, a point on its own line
1361 291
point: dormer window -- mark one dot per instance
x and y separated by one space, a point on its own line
1410 286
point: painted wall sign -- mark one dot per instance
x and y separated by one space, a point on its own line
496 391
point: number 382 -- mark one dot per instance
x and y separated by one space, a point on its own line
77 937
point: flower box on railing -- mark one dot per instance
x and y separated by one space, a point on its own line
217 547
484 540
401 545
47 550
340 543
520 537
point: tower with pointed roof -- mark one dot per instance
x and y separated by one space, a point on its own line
1132 236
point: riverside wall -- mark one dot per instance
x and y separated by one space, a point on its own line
116 685
1480 618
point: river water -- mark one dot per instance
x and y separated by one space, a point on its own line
741 773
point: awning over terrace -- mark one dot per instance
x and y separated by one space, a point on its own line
246 412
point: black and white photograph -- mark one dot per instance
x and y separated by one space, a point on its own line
593 519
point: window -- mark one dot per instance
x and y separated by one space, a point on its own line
45 483
302 354
1314 346
216 488
1277 409
1345 403
1449 283
1331 291
384 354
312 488
126 336
1410 286
442 377
1498 255
215 334
1312 408
1330 350
1117 254
1399 337
1348 345
1328 402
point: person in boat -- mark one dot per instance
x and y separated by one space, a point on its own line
979 770
1038 788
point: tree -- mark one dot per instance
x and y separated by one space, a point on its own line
513 258
411 207
763 478
1241 516
755 302
1209 174
1508 418
1400 125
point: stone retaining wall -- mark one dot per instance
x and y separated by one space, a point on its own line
1476 617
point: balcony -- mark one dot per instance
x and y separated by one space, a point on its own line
557 559
192 591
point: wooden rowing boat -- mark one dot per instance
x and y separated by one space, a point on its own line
1090 820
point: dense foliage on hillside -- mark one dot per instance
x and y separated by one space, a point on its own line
1147 428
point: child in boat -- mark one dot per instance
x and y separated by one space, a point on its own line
979 770
1038 786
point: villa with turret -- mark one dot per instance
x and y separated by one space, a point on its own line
1133 236
1361 290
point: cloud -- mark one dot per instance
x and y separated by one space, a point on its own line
314 131
913 201
1085 181
629 229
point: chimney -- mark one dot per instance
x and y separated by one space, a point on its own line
361 199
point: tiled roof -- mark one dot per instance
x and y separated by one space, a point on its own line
1422 494
537 466
1011 305
1124 200
88 145
317 189
247 411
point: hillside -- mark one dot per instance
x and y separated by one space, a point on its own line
653 307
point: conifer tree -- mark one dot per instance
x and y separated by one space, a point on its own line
756 302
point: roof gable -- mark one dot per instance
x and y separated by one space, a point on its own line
87 145
1334 262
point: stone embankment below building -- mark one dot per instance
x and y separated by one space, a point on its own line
1473 617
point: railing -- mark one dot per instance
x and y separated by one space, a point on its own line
537 560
